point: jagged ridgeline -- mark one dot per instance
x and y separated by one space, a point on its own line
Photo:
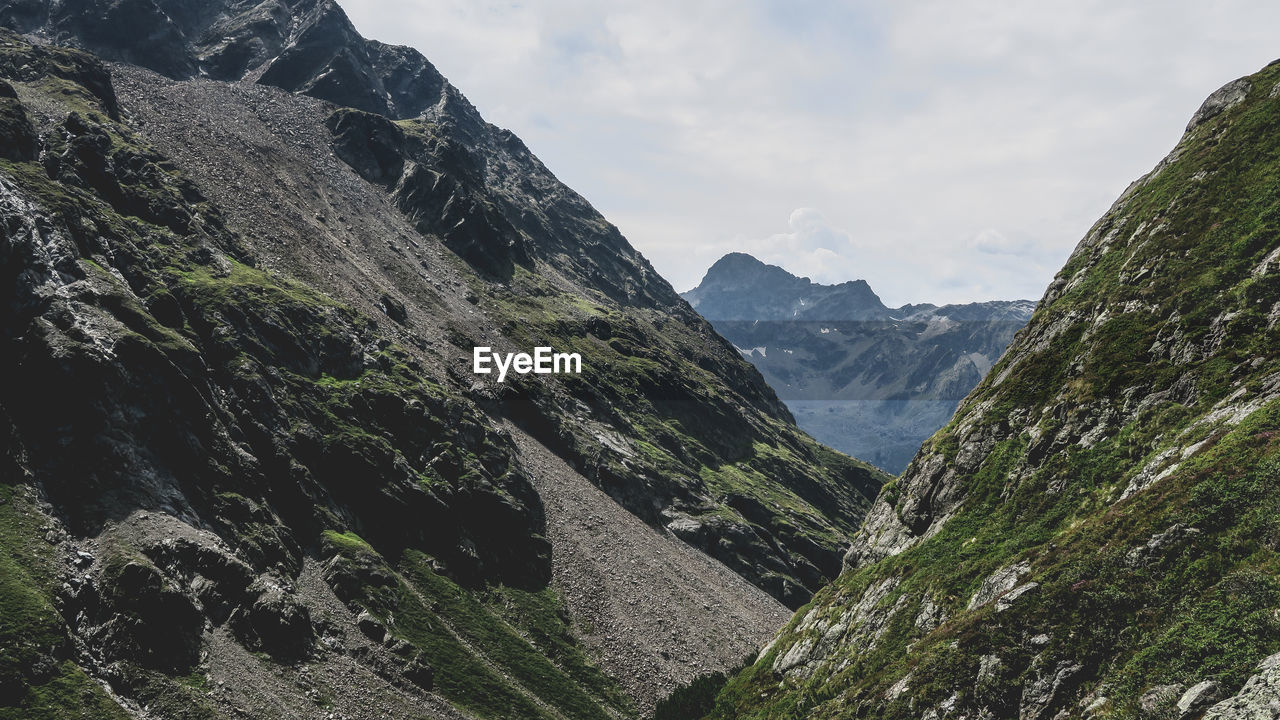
1097 531
246 465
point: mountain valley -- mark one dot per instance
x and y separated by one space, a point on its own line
867 380
247 470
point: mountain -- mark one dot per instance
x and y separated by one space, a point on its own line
247 469
740 287
1095 534
865 379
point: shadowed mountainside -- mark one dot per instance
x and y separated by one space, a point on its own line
247 466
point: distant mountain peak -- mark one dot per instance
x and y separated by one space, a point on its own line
739 286
738 266
865 379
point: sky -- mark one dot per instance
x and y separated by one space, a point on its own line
942 150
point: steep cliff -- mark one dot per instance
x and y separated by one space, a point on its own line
1095 533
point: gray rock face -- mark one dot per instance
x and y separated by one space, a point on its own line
943 709
1160 544
305 46
18 139
899 688
1042 694
989 668
883 534
372 627
1007 600
998 583
1198 698
1259 699
738 544
1093 707
931 615
863 625
275 620
929 491
1222 99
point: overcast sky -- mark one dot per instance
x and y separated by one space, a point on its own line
943 150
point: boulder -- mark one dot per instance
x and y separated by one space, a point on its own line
393 308
372 627
1259 699
419 672
274 620
1222 99
371 144
1198 698
1006 601
998 583
148 621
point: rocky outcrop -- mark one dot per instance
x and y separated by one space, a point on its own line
1259 698
306 46
1224 98
1161 544
274 620
1198 698
862 625
999 583
1039 696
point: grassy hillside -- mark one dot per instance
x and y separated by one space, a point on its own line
1098 529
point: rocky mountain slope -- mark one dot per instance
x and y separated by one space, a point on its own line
865 379
246 468
1097 531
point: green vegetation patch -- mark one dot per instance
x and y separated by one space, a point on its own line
1162 321
498 652
37 682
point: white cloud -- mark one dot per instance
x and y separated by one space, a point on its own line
958 149
994 242
810 248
